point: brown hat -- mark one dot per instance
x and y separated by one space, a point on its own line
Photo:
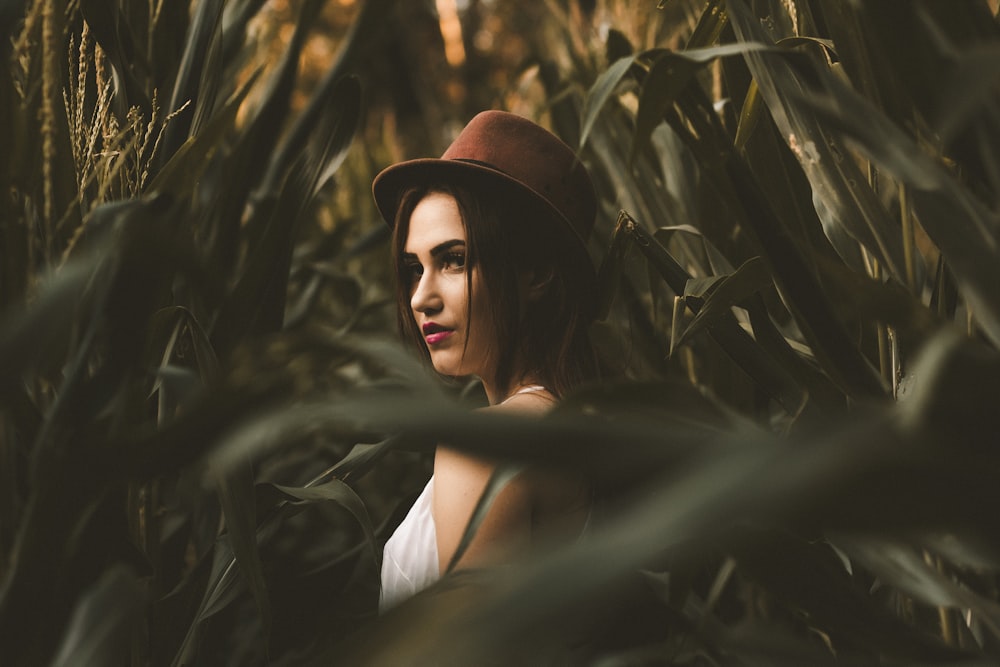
499 149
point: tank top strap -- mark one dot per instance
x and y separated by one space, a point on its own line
530 389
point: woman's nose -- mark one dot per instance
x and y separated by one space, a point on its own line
425 298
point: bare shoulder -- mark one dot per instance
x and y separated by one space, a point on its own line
534 403
459 482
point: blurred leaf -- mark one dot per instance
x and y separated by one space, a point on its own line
669 403
956 379
184 168
618 46
211 77
112 31
363 33
813 580
361 458
749 115
220 591
710 25
962 552
676 514
10 12
97 633
341 494
26 334
257 302
341 119
177 382
236 493
324 277
899 565
598 95
969 90
202 33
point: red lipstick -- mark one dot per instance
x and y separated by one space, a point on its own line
434 333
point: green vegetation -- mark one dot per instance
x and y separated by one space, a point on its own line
206 427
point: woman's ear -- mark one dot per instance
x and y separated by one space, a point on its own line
536 282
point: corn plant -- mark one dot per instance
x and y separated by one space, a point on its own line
161 266
793 464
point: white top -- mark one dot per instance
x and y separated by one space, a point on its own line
410 556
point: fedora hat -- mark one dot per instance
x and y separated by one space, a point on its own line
505 153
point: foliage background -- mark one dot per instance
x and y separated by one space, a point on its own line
206 429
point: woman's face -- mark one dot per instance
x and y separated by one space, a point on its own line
434 258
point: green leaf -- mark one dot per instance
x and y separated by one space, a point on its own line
337 492
900 566
183 170
714 261
962 227
333 138
25 334
202 33
710 25
726 292
808 576
609 274
221 590
841 194
802 293
599 93
749 116
112 31
97 633
772 378
501 477
236 494
361 459
670 73
969 91
257 302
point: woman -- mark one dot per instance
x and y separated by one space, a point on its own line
493 280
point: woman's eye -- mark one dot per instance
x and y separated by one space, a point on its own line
454 260
413 272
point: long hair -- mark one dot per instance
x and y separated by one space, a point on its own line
544 338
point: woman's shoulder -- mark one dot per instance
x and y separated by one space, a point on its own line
529 400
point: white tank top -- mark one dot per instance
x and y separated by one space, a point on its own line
410 556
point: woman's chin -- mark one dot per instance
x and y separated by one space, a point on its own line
451 368
447 367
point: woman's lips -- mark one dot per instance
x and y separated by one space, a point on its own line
434 333
435 338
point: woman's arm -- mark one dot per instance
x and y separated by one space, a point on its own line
535 502
459 481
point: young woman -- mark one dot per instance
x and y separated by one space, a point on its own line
493 280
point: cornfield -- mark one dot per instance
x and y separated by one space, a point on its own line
208 428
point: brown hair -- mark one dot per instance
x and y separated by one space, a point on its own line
545 338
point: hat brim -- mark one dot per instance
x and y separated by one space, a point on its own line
390 185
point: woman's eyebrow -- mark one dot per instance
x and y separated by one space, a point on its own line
437 250
442 248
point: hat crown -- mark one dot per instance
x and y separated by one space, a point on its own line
535 158
509 156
